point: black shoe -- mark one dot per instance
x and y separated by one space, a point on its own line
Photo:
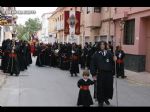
11 74
71 75
100 104
76 75
107 102
96 100
124 77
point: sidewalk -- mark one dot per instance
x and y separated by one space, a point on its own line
2 78
142 78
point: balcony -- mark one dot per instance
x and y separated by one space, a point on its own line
92 20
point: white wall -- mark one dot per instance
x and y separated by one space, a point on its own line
45 24
2 35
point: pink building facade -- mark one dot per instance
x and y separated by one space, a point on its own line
132 31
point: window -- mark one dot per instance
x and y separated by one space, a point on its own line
81 9
62 17
103 38
88 10
75 8
106 9
97 38
86 38
97 9
129 30
115 9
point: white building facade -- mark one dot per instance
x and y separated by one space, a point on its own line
44 33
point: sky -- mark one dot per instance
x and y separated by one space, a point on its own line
22 18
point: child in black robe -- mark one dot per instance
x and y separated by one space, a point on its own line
84 97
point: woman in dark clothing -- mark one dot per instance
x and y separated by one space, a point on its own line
120 62
102 70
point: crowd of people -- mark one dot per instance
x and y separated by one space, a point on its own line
64 56
99 59
15 56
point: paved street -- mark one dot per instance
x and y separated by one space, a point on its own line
53 87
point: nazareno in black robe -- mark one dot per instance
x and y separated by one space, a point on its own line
84 97
74 66
39 58
104 65
13 63
21 59
5 55
48 56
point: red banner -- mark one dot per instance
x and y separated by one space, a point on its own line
77 26
66 22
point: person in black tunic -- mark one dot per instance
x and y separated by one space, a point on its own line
89 55
13 64
5 55
79 50
39 56
74 66
102 70
21 57
65 62
48 55
84 97
84 56
120 62
29 57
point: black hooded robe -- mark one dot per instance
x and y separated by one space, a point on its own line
104 66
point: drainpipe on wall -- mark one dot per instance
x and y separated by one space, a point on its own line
83 38
122 22
109 25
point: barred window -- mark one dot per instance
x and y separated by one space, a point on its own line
129 30
88 10
97 9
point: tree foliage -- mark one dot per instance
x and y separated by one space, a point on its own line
31 26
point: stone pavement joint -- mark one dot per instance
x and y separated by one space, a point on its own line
142 78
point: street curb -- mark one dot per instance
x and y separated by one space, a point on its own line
137 82
133 77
